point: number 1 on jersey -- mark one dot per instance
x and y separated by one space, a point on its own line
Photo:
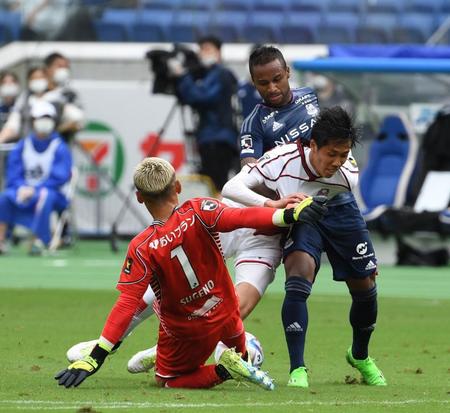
183 259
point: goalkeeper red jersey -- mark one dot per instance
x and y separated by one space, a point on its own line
182 260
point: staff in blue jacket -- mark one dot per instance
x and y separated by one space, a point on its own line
211 97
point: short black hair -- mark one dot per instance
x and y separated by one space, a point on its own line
48 61
334 124
210 39
263 55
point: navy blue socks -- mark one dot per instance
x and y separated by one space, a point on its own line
294 314
363 315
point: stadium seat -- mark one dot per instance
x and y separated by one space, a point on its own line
126 18
228 25
160 4
110 32
11 21
300 28
414 28
195 5
234 5
188 27
263 27
347 6
376 28
298 33
272 5
383 6
338 28
147 32
5 34
392 156
317 6
422 6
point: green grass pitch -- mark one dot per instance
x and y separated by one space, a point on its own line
49 303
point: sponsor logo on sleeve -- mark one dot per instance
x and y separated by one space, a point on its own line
127 266
246 142
209 205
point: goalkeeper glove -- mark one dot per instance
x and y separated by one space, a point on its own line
77 372
309 210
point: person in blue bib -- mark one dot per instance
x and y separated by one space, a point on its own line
38 169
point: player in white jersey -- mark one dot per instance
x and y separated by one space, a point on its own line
324 168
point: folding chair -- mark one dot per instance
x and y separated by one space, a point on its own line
67 214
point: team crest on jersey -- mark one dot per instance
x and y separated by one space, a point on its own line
127 266
323 192
352 161
209 205
246 142
311 109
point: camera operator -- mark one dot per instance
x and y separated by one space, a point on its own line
211 97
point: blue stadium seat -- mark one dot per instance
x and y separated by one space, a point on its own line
423 6
263 27
338 28
126 18
110 32
160 4
228 25
300 28
5 34
383 6
392 156
297 33
272 5
234 5
347 6
147 32
12 21
195 5
376 28
414 28
160 20
317 6
188 27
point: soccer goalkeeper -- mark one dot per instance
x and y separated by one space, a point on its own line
195 298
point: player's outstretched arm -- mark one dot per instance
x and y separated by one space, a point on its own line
309 210
263 218
77 372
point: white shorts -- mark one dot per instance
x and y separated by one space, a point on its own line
256 257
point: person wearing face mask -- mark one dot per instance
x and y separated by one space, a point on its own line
211 98
38 168
9 90
57 69
18 123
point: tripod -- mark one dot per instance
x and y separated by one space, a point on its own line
127 205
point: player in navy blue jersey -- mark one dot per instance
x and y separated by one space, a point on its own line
284 116
287 115
325 168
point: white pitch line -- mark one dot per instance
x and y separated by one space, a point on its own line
62 405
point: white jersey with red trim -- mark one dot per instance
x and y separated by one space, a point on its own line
287 170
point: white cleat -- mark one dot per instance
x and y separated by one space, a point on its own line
143 361
80 350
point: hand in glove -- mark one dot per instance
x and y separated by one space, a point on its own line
309 210
78 371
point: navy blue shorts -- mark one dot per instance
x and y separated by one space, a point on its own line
342 233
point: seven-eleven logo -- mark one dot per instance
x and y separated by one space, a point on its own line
100 159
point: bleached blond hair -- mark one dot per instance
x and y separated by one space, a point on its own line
154 177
